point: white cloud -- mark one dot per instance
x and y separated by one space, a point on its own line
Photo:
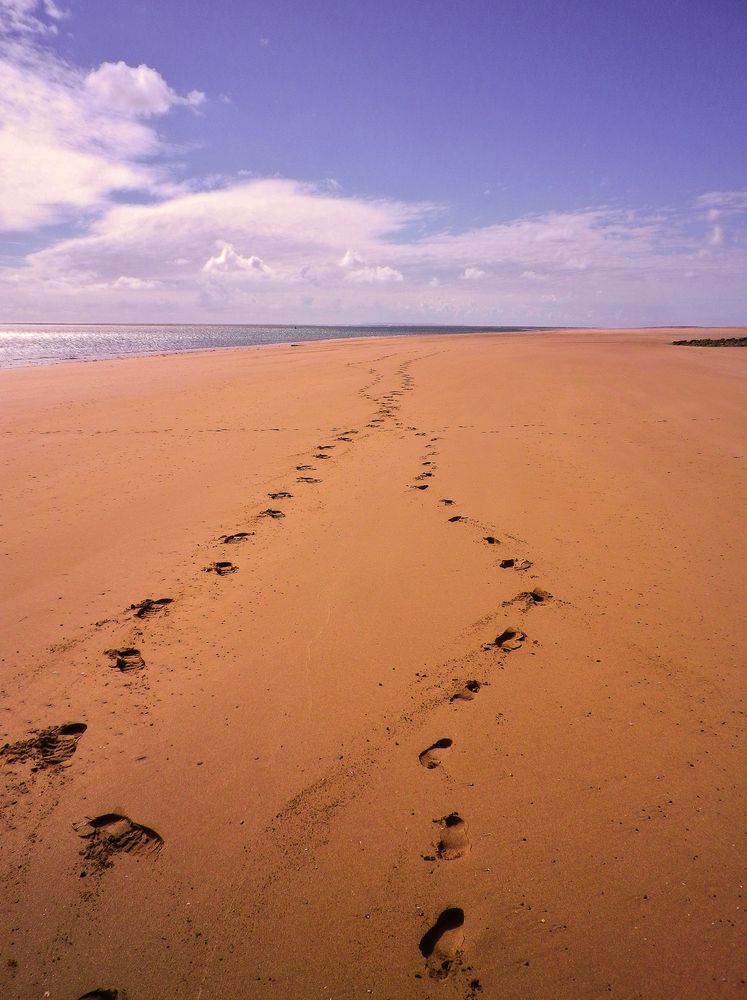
123 281
134 90
228 261
374 275
68 142
473 274
29 16
351 259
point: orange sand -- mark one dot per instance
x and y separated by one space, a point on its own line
265 820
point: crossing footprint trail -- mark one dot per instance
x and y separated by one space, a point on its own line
113 835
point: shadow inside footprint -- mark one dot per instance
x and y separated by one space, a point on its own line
491 540
221 568
447 503
239 536
112 834
282 495
303 468
46 747
308 479
457 517
468 692
269 512
520 564
454 842
150 607
531 597
431 757
107 994
441 945
510 638
423 487
126 659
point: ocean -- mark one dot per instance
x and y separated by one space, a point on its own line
43 344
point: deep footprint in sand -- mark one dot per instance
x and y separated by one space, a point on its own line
221 568
303 468
447 503
149 607
269 512
126 660
492 540
453 842
440 946
531 598
456 518
520 564
510 638
423 487
46 747
281 495
112 834
236 538
308 479
468 692
431 757
107 994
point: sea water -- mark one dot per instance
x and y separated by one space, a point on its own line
41 344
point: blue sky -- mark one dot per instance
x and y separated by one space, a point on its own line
504 162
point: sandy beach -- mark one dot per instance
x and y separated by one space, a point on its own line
448 697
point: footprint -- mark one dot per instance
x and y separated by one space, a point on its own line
126 660
532 597
282 495
454 842
239 536
440 946
46 747
423 487
491 540
325 447
112 834
344 439
468 692
308 479
510 638
150 607
447 503
520 564
222 568
424 475
320 455
457 517
269 512
431 757
303 468
109 994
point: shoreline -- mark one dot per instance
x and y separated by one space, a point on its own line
285 755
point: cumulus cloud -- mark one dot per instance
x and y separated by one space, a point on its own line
228 261
69 141
473 274
374 275
135 90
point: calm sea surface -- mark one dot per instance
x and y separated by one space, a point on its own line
43 344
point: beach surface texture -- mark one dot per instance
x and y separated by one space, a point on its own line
399 668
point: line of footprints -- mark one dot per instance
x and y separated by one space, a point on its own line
441 945
114 833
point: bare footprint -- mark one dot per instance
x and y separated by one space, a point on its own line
440 946
453 842
221 568
468 692
149 607
431 757
46 747
126 660
112 834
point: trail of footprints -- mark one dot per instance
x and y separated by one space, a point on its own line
442 943
111 835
